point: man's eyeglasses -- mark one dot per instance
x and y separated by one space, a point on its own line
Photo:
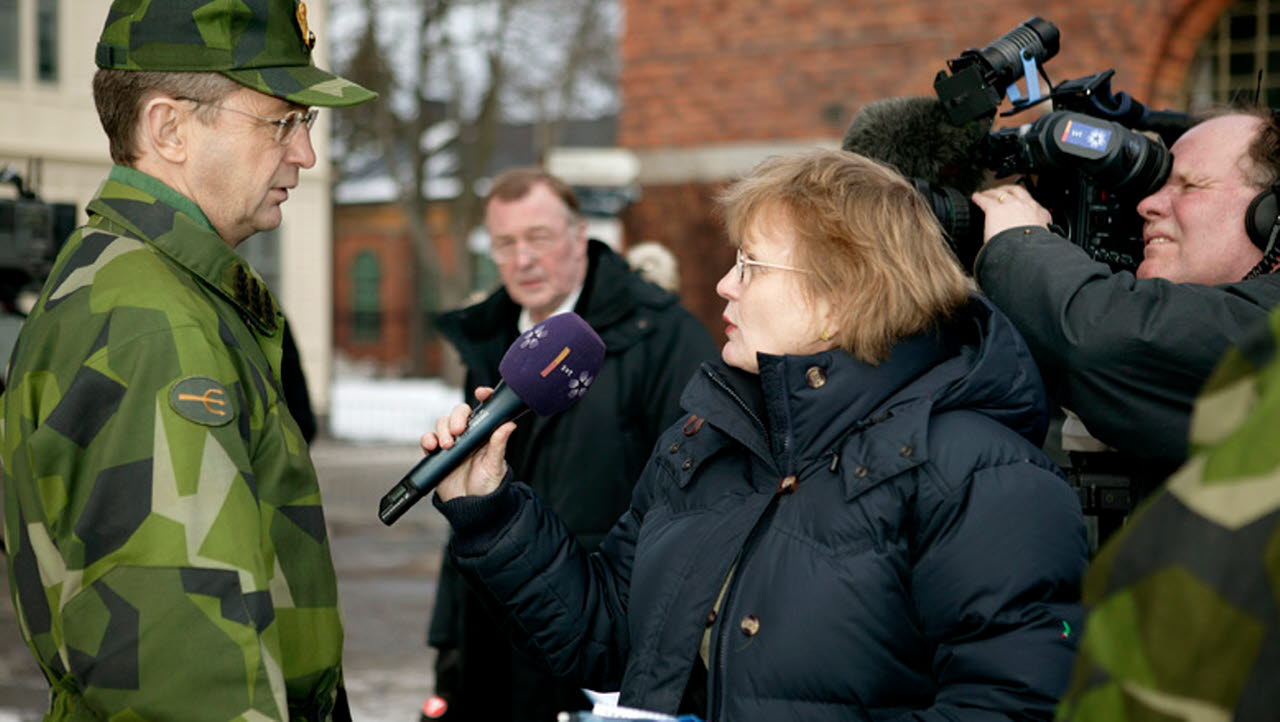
286 126
740 266
536 242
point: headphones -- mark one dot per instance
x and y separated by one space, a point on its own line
1262 220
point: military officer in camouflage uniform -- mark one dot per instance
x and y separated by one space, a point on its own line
1184 622
168 552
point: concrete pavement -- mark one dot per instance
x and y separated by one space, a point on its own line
386 578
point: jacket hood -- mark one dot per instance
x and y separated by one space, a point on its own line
992 372
800 406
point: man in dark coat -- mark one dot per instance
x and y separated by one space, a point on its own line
654 346
1129 352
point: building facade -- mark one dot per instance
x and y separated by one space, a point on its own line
710 87
49 134
374 285
374 279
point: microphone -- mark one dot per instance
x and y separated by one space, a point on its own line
547 370
942 160
914 135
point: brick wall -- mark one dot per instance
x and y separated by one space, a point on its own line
709 87
681 217
700 72
702 80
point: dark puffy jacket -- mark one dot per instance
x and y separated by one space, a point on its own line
896 546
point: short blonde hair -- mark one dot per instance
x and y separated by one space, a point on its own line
874 248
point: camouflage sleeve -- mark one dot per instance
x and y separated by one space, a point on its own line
152 548
1182 601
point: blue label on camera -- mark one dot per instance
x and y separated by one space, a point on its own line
1086 136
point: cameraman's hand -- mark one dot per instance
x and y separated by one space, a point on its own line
483 471
1009 206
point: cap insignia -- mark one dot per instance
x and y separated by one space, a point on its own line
308 37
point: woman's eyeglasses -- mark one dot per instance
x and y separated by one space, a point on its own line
740 266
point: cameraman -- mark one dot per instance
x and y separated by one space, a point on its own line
1128 352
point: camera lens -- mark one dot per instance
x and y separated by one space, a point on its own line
1149 162
960 219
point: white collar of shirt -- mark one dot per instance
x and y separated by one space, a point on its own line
525 322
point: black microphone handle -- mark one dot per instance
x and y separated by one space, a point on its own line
503 406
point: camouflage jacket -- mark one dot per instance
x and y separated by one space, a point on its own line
168 553
1184 622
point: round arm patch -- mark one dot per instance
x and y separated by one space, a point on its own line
202 400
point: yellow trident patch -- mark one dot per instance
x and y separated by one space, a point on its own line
308 37
202 400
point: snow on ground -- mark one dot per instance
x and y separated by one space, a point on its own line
387 410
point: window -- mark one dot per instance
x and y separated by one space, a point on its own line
37 58
366 306
1245 39
47 40
9 39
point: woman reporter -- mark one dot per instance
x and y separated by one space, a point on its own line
853 522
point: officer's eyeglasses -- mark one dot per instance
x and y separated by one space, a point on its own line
740 266
286 126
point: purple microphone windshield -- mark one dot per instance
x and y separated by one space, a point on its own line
553 364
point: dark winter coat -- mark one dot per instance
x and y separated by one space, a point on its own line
898 545
653 347
1127 355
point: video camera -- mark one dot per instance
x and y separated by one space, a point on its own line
31 232
1085 161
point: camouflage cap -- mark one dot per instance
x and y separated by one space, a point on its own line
264 44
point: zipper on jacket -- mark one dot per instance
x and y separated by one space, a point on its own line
719 382
716 670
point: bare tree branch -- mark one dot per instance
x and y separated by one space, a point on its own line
440 84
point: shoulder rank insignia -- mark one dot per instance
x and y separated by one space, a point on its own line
255 300
202 400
